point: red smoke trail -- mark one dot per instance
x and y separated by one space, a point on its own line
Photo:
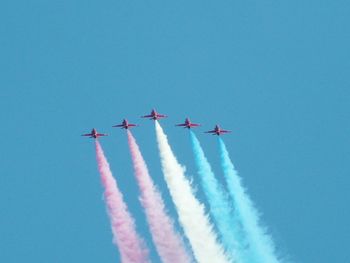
131 246
168 243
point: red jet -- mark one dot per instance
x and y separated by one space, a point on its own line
94 134
125 124
188 124
218 131
154 115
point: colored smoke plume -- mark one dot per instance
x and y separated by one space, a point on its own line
220 205
168 242
192 216
259 241
131 247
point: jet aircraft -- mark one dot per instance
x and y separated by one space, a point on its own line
188 124
217 131
94 134
125 124
154 115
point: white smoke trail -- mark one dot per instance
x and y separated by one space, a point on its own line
192 216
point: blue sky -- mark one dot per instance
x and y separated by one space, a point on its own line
275 72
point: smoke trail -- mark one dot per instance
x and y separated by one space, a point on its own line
191 213
131 246
168 243
220 207
259 241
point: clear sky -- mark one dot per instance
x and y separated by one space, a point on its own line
275 72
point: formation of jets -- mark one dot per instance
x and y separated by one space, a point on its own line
154 115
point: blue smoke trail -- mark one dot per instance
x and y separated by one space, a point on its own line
259 241
220 207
